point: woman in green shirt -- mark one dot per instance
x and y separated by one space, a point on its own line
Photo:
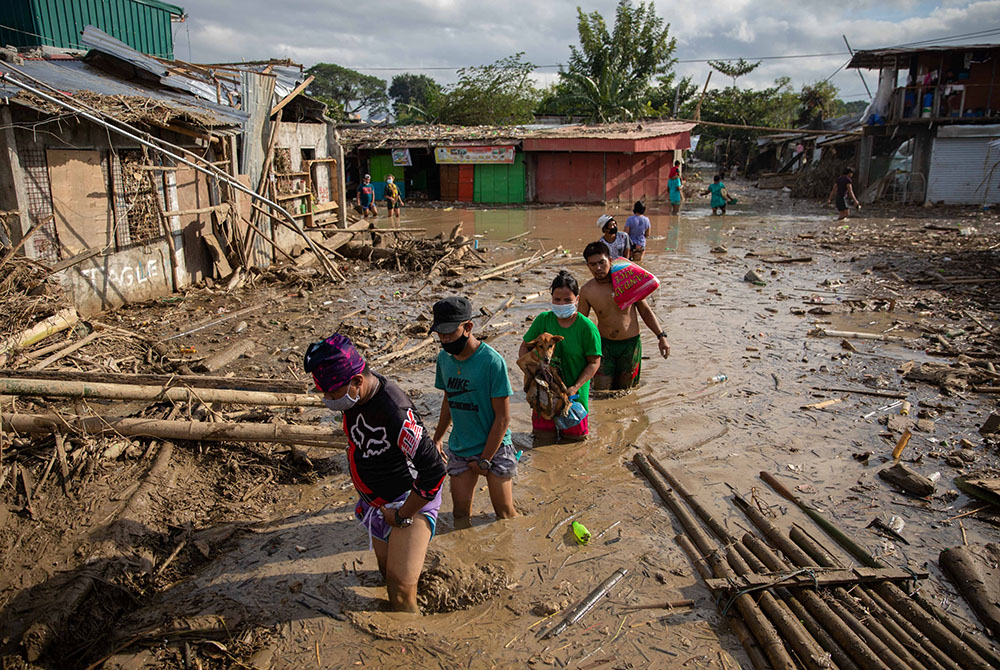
577 356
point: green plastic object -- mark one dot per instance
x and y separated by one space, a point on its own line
581 533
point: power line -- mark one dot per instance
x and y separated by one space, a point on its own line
980 33
546 67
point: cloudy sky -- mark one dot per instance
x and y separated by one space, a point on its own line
435 36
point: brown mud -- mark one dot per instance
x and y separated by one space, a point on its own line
275 571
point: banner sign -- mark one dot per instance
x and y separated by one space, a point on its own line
401 158
450 155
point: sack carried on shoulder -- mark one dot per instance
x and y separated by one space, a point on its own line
631 283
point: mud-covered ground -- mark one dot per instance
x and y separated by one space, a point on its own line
275 571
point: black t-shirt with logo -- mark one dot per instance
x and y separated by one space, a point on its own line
389 450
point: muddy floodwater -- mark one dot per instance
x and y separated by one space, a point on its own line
306 572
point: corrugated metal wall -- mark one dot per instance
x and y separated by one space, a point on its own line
964 171
600 177
142 24
500 183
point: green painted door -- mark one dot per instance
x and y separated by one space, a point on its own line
500 183
381 165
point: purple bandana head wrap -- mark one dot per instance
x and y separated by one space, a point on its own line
333 362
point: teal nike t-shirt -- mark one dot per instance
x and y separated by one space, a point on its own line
470 387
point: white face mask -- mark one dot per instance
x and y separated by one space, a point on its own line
344 403
564 311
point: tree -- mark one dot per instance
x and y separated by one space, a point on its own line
774 106
497 94
347 91
817 102
734 70
609 77
412 95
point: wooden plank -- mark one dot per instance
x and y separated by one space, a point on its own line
291 96
79 199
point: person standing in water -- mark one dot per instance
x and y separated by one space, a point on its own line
619 245
394 465
476 405
366 197
843 188
676 197
637 227
719 195
576 357
621 348
393 201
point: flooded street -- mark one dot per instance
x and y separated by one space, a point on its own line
300 573
717 437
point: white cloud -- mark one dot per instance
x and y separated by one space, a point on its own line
442 33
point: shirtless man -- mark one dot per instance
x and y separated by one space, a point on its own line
620 344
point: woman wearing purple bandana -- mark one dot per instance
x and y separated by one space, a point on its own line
387 444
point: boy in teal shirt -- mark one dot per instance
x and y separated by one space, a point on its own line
476 404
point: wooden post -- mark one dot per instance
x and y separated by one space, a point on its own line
697 111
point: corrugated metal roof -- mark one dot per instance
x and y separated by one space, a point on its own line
73 76
96 38
874 58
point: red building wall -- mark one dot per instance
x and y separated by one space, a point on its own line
597 177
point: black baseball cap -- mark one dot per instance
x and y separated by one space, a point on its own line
451 313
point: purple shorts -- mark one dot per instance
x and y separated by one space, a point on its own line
372 521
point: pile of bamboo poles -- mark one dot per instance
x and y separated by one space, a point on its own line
792 604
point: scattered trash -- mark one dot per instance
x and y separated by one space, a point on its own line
752 277
717 379
581 533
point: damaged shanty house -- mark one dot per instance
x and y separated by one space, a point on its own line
808 160
130 177
931 133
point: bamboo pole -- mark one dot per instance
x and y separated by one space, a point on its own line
739 627
194 381
929 618
809 651
855 645
77 389
59 321
965 655
759 625
899 627
35 424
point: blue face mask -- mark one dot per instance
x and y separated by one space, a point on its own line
564 311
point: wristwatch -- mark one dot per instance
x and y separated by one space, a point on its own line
485 464
401 522
663 334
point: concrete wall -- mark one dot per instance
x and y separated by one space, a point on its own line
108 282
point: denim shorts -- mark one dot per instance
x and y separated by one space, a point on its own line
504 462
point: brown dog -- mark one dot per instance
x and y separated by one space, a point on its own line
543 386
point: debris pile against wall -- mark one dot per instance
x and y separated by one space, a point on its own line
816 179
143 201
126 108
26 296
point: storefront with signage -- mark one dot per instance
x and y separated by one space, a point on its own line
518 164
489 174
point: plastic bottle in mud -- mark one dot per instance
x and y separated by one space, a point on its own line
718 379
